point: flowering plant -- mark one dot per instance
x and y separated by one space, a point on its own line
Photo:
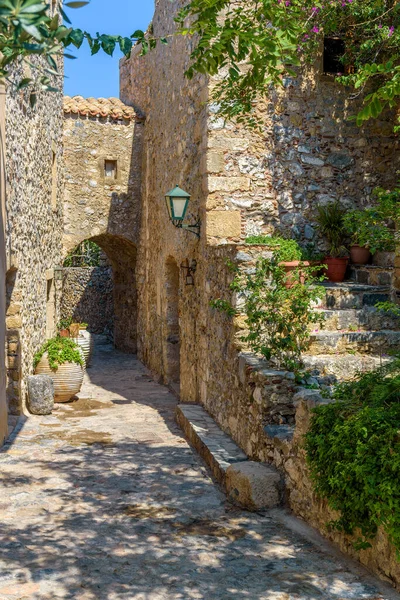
270 38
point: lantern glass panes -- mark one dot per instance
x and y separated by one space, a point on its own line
177 203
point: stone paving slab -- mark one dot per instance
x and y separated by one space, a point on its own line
105 500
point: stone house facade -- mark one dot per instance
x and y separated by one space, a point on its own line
241 183
33 221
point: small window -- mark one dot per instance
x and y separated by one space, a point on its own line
334 49
110 169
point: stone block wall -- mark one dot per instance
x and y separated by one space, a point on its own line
174 151
3 269
87 297
34 189
308 155
95 204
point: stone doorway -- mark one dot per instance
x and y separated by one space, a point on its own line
172 329
105 296
13 344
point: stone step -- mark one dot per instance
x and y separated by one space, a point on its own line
214 446
342 367
364 342
367 318
352 295
250 485
372 274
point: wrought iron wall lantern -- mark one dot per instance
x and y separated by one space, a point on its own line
189 269
177 204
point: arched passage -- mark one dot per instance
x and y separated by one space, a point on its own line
121 254
172 340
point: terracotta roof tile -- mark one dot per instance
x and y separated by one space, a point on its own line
98 107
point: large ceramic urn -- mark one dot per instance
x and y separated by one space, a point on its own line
85 343
67 379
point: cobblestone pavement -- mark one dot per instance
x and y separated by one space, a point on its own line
104 500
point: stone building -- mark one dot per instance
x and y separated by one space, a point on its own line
244 183
33 221
102 152
102 173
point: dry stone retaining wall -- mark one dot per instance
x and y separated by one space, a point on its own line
87 297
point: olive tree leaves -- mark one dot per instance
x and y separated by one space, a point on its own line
30 28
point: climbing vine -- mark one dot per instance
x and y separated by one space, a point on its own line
259 44
353 451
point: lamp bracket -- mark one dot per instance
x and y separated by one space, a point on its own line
194 226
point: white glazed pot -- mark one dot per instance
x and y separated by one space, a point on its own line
67 379
85 342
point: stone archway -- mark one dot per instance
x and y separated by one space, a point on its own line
122 255
172 341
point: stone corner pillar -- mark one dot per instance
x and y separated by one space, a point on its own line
3 401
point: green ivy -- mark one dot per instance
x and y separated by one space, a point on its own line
286 250
353 452
59 351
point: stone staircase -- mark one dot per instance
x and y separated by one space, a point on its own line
355 336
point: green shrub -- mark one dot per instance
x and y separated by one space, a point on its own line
284 250
59 351
353 451
277 316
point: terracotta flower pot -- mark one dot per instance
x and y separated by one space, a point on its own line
67 379
336 268
64 333
291 269
359 255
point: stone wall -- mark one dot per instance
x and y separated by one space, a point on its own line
34 186
241 183
3 269
87 297
102 205
175 142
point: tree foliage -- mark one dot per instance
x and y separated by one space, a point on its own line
28 28
260 43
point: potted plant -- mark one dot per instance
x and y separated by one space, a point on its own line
288 254
63 327
330 219
62 360
370 233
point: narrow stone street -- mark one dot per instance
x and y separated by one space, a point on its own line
104 500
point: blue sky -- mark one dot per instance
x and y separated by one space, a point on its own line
97 75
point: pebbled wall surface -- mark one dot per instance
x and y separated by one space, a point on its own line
34 188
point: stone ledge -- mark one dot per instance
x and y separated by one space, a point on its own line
250 485
214 446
